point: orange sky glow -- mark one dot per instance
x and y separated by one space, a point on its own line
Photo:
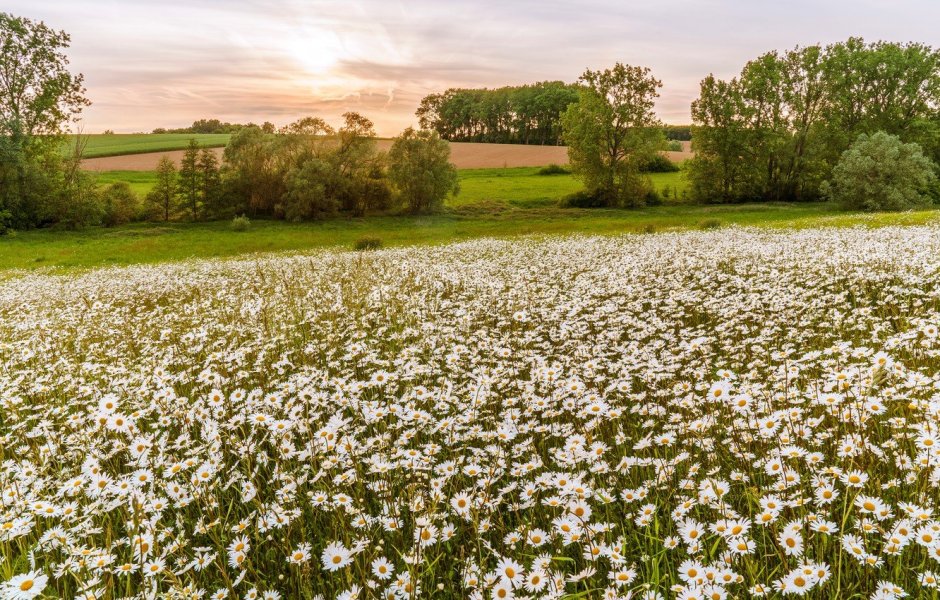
165 64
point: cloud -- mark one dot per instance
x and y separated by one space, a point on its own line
165 64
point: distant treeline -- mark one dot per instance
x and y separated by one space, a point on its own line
526 114
216 126
679 133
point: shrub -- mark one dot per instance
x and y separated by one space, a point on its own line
367 243
78 203
880 172
310 191
241 223
597 199
554 169
6 218
419 168
674 146
119 204
659 164
653 198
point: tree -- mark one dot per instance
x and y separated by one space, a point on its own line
189 186
419 168
358 164
528 114
210 184
333 172
722 168
309 193
880 172
255 168
119 204
883 86
162 198
776 131
39 96
612 131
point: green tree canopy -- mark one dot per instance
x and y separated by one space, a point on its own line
39 97
612 132
880 172
162 198
528 114
776 131
420 169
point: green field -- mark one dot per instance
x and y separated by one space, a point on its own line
492 202
98 145
520 187
150 243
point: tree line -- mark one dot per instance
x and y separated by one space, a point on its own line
527 114
216 126
778 130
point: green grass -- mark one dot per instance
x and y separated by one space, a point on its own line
520 187
139 143
140 181
492 202
149 243
523 187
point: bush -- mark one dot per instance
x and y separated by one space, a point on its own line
880 172
119 204
653 198
367 243
78 203
554 169
6 218
241 223
659 164
310 187
674 146
597 199
419 168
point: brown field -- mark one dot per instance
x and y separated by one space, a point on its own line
463 155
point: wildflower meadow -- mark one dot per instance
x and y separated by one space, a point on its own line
735 413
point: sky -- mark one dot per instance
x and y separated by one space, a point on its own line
166 63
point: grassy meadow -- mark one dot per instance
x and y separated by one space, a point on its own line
500 203
517 187
175 241
118 144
